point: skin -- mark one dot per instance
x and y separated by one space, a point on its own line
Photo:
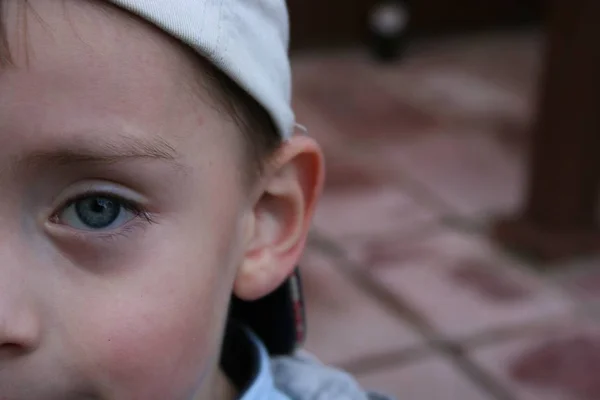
99 103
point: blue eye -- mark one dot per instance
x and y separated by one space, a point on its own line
97 213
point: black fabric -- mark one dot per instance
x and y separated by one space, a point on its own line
272 318
240 358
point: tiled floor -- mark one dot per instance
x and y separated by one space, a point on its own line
404 287
337 305
431 378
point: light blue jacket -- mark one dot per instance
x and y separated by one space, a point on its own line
302 377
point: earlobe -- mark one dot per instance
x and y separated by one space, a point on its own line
281 218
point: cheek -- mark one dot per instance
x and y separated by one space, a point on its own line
151 330
155 361
149 349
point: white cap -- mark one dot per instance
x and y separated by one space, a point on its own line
246 39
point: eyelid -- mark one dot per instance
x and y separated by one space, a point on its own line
65 234
97 187
139 205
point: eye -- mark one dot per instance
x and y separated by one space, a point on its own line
97 213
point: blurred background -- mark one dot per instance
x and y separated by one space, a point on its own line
454 252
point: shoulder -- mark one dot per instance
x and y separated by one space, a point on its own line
303 377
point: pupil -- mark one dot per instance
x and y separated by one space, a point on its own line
98 212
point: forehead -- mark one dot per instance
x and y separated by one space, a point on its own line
82 44
64 33
79 63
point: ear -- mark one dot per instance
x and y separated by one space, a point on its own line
280 217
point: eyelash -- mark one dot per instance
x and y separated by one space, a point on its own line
135 208
122 232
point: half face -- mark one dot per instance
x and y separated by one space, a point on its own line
122 218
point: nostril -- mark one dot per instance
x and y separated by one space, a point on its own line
19 334
11 350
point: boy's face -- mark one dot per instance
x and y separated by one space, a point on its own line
123 218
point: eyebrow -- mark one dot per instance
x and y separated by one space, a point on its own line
101 151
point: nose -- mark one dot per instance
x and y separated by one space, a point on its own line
19 324
19 331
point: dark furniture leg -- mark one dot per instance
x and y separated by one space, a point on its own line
559 219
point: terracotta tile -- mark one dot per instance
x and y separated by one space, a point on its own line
429 379
471 75
515 136
485 83
579 278
343 322
365 211
461 284
456 95
391 249
466 104
560 362
347 163
349 175
318 127
510 59
362 196
346 93
315 65
585 286
471 173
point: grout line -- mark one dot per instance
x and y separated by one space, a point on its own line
504 334
588 309
547 278
481 378
420 191
394 303
420 230
377 362
454 353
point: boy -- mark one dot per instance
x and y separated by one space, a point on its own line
142 190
